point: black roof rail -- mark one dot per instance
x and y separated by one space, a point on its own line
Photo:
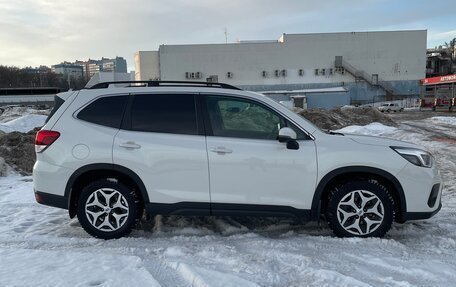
105 85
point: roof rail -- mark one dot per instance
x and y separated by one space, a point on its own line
105 85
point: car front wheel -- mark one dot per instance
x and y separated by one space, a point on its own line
360 209
108 209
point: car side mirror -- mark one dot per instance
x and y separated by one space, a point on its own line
287 135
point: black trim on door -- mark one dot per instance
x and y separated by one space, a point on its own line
225 209
233 209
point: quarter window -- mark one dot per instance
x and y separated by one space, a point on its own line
164 113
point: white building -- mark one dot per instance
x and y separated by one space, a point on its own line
369 64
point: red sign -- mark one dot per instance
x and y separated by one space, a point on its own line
439 80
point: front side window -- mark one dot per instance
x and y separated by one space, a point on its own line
164 113
241 118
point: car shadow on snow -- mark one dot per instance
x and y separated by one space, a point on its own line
175 225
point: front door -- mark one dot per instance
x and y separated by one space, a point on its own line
248 165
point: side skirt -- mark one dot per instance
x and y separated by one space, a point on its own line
226 209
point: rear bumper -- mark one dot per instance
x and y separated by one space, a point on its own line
51 199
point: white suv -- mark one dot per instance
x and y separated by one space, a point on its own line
390 108
112 151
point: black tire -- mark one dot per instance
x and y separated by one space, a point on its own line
371 187
131 207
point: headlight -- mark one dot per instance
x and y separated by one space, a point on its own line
416 156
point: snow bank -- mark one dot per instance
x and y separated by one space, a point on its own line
447 120
23 124
201 277
68 268
373 129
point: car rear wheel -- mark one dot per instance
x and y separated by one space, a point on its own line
360 209
108 209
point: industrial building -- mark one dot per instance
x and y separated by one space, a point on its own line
364 67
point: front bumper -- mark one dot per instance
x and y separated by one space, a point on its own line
419 215
423 192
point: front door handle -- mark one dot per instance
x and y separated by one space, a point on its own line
221 150
130 145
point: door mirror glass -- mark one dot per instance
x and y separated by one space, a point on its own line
286 134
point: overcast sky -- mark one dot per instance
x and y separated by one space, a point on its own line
47 32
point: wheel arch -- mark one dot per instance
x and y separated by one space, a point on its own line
91 172
343 174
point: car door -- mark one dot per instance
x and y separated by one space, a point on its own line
160 140
248 165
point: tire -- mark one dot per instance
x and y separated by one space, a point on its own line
373 215
108 209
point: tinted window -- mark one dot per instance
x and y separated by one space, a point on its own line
106 111
58 102
234 117
243 119
164 114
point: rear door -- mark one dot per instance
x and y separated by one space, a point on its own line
163 143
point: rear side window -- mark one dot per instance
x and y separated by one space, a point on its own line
58 101
106 111
167 113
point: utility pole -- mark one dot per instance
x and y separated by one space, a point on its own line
226 36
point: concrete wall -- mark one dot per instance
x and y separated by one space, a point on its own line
398 57
357 91
393 55
147 65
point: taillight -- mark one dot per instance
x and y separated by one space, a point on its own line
44 139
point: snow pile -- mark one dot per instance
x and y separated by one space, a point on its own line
18 150
341 117
373 129
447 120
23 124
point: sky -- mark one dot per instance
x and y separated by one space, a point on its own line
47 32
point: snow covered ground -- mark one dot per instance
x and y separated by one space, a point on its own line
41 246
21 119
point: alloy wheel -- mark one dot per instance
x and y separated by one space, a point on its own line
360 212
106 209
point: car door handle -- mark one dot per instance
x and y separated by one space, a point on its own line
221 150
130 145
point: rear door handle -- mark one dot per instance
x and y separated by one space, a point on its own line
130 145
221 150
